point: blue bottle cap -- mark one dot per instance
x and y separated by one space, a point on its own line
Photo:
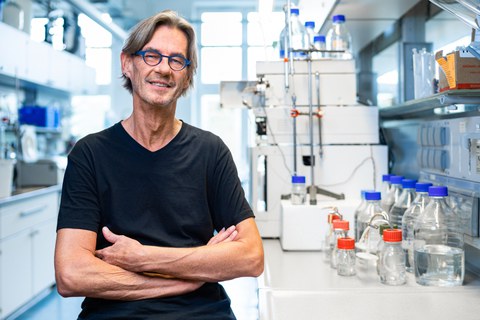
298 179
363 192
319 38
386 177
295 11
408 183
310 24
437 191
375 195
422 186
396 179
339 18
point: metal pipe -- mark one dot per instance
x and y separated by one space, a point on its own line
320 144
95 15
294 106
313 189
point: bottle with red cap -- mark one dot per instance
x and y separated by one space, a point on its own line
391 262
340 228
346 257
329 237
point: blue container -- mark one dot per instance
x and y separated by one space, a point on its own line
47 117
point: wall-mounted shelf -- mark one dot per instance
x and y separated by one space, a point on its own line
443 104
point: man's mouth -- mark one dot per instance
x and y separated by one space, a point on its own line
160 84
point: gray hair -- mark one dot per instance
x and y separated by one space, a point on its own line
142 33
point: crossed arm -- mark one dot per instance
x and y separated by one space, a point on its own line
119 271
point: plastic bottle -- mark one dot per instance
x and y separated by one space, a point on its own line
339 38
319 44
340 228
439 256
299 37
393 193
391 261
409 217
330 237
310 29
385 185
299 191
368 242
346 257
404 201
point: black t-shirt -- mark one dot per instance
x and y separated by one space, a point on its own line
175 197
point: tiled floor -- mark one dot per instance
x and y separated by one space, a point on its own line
243 292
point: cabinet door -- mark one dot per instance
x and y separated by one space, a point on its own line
15 272
43 244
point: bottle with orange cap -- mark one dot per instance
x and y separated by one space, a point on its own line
391 262
329 236
346 257
340 229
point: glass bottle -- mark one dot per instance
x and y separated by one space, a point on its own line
385 185
439 256
411 214
404 201
340 228
368 239
361 207
319 44
391 261
339 38
310 29
299 191
299 37
346 257
330 237
393 193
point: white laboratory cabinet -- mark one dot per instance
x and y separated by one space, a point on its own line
27 242
38 63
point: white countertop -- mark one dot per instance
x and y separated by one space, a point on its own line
301 285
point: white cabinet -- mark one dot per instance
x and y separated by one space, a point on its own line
40 64
27 243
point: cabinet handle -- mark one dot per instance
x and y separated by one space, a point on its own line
27 213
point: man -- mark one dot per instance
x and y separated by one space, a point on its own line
141 200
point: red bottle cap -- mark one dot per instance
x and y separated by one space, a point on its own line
392 235
332 217
346 243
341 224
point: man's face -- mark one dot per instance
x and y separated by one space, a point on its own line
158 85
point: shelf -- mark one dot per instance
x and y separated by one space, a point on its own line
453 102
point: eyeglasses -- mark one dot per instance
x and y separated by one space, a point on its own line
151 57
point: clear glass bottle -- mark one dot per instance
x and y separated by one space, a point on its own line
439 256
340 228
409 217
385 185
310 29
319 44
299 37
393 193
299 190
391 262
361 207
368 242
339 38
404 201
330 237
346 257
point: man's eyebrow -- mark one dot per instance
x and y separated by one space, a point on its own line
172 54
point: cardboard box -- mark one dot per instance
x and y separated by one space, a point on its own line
458 70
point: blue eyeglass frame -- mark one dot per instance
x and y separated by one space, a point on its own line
143 52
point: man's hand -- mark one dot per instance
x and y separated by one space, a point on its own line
126 252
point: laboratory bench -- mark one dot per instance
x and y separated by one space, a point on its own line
302 285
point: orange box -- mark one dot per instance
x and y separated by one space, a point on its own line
458 70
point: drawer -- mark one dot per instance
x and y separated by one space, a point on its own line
25 214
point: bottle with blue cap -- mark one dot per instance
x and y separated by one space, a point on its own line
299 190
319 44
403 202
393 193
373 211
411 214
385 185
439 256
310 29
299 37
358 211
339 38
